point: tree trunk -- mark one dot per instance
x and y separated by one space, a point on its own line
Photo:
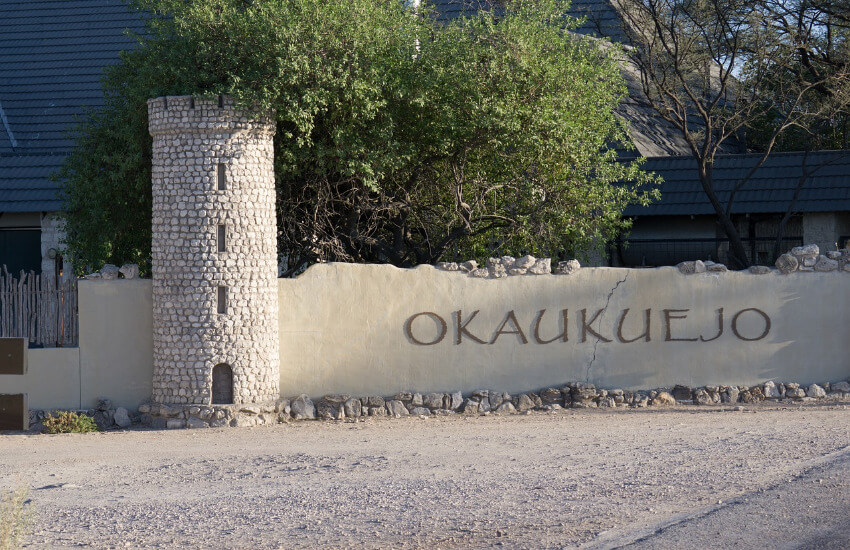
737 252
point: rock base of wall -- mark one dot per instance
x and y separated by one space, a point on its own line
571 395
575 395
161 416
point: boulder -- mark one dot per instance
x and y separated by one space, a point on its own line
420 411
730 395
702 397
480 273
470 406
109 272
396 409
506 408
353 408
770 390
129 271
433 401
447 266
302 408
663 399
815 391
842 386
524 403
759 269
469 266
787 263
456 401
526 262
122 418
806 251
568 268
825 265
542 266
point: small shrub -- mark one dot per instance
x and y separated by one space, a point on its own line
16 516
69 422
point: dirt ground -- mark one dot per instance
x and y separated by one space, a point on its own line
706 477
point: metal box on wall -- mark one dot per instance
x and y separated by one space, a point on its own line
14 413
13 356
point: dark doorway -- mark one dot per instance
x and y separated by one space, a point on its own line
222 385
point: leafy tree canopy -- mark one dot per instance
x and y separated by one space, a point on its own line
399 139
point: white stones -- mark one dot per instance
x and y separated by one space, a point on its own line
543 266
770 390
130 271
825 264
121 418
787 263
189 145
568 268
691 267
815 391
109 272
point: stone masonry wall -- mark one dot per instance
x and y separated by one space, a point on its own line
191 138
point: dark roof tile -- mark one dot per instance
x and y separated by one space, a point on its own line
770 190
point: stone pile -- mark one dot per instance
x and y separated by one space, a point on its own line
809 259
111 272
508 266
801 258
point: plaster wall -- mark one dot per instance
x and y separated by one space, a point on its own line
52 379
342 329
116 341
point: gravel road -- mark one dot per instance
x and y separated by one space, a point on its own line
685 477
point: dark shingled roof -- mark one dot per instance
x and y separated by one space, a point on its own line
770 190
52 54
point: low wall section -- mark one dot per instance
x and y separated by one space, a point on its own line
376 329
114 358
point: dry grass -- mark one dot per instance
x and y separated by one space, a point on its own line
16 516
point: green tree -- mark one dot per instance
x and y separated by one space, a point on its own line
399 139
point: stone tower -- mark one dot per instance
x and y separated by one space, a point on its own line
215 304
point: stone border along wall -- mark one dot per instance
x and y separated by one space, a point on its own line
801 258
481 402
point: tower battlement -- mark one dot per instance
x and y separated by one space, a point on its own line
201 115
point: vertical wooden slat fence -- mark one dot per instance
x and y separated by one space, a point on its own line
38 309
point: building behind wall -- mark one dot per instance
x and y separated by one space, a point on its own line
52 55
813 187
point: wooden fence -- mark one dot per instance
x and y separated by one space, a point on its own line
38 309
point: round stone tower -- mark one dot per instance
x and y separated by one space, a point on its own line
215 308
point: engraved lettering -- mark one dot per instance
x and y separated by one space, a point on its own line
510 317
536 328
760 336
646 336
585 326
668 316
719 327
408 328
461 330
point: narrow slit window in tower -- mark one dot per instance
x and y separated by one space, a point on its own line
222 238
222 299
221 177
222 385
